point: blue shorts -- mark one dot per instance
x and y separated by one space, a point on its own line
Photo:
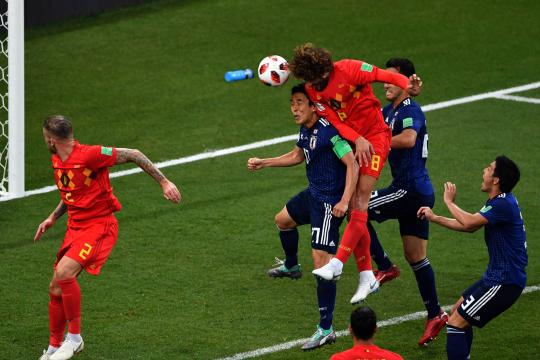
401 204
483 302
305 209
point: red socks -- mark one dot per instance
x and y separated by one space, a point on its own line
356 238
57 320
362 254
71 299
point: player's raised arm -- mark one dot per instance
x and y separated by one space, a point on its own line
50 220
463 220
292 158
170 191
340 209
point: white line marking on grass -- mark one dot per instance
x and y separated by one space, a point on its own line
263 143
389 322
487 95
518 98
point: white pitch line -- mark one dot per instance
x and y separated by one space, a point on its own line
518 98
274 141
389 322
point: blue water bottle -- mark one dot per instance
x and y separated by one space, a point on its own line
238 75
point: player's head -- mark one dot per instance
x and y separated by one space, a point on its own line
502 174
57 129
363 323
312 64
405 67
302 108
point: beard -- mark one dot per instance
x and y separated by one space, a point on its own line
52 149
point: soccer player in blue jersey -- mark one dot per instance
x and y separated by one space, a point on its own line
332 173
504 234
410 189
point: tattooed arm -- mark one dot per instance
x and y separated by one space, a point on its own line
48 222
170 192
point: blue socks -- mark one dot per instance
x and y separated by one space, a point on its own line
425 278
458 342
326 296
377 252
289 242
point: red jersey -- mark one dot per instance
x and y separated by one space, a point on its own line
350 95
83 181
366 352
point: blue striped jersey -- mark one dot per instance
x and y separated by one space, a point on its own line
325 171
506 241
408 166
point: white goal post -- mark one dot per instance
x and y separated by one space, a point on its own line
12 104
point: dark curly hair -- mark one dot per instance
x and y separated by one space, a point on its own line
310 63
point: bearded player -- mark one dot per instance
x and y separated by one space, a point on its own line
343 95
82 176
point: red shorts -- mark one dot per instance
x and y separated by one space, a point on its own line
381 143
90 242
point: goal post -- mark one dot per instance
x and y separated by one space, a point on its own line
12 153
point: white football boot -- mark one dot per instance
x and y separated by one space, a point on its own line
367 284
330 271
45 356
67 350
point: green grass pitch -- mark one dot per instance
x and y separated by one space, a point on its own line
188 281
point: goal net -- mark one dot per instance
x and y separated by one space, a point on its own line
11 98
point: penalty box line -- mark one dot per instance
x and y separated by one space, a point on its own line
389 322
259 144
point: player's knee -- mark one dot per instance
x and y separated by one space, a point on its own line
456 320
64 272
414 254
283 222
413 257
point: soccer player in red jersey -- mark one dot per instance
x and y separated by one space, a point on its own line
82 176
362 328
343 95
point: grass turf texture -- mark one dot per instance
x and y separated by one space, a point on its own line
189 282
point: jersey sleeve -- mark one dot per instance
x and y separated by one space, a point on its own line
411 119
361 73
358 72
98 156
497 211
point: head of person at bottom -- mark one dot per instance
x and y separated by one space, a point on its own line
363 325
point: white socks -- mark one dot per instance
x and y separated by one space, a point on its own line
76 338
